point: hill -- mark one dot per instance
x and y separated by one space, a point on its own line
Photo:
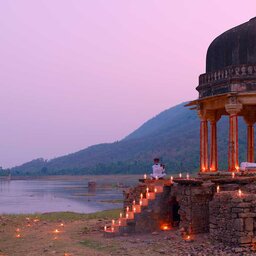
172 135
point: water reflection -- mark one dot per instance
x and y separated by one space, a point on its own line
40 195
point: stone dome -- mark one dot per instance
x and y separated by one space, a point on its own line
236 46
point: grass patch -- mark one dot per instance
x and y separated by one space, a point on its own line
98 246
66 216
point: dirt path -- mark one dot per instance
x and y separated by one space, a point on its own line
83 237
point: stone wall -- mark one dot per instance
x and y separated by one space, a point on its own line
194 206
233 218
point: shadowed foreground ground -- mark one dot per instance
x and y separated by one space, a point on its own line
81 235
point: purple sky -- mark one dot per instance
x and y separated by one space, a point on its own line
80 72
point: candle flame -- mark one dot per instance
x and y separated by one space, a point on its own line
141 195
17 230
140 202
127 215
233 175
133 202
105 228
18 236
155 190
134 209
121 215
218 189
147 189
127 208
180 175
187 176
171 179
56 231
145 176
113 222
239 192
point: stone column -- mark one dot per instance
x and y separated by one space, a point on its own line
250 119
250 143
214 150
203 143
213 118
233 109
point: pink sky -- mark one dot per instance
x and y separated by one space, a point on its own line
79 72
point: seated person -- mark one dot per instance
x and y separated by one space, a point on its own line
158 170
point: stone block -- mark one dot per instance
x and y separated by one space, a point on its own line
239 224
245 240
247 215
248 223
237 210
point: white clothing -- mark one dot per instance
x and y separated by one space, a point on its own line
245 165
158 171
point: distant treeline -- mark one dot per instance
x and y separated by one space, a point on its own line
173 135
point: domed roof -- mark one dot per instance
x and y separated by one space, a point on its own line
236 46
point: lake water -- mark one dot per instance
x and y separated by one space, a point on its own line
61 194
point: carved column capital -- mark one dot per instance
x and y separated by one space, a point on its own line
213 116
233 109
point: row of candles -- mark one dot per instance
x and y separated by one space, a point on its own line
36 220
171 178
134 209
239 192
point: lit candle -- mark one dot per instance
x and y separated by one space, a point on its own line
18 236
156 177
133 202
233 175
105 228
113 222
56 231
140 202
61 225
141 196
127 208
17 230
145 176
119 222
112 229
188 237
121 215
239 192
218 189
134 209
187 176
180 175
171 179
155 190
147 189
127 215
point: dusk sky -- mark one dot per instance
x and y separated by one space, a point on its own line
80 72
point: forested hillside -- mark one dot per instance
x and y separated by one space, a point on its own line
172 135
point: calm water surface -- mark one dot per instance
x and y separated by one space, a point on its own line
61 194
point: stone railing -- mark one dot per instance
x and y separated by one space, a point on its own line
230 72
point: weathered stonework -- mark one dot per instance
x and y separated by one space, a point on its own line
233 218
